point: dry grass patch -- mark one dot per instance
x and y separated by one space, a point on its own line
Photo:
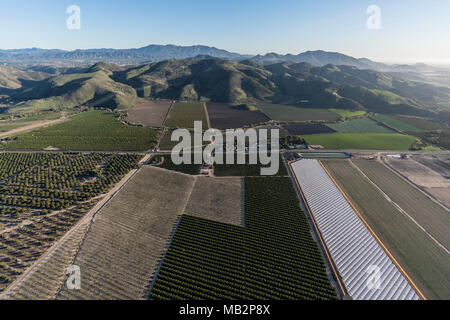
150 113
430 181
129 235
217 199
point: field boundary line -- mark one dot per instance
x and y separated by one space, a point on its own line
412 184
330 259
243 202
391 256
207 115
161 261
183 211
125 180
167 114
169 242
31 127
41 259
399 208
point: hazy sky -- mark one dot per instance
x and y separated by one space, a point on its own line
411 30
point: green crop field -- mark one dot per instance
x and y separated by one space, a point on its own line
420 123
370 141
348 113
364 125
273 257
396 124
424 261
295 114
426 212
90 131
183 115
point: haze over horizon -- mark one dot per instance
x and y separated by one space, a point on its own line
410 33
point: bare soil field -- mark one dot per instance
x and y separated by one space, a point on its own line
308 128
225 116
439 163
150 113
422 259
217 199
127 238
432 182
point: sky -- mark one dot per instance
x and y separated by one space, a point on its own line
410 30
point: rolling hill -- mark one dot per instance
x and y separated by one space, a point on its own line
205 78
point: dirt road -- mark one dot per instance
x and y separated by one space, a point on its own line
30 127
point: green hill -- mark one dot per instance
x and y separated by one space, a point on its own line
221 80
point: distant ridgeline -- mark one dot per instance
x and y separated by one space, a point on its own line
221 80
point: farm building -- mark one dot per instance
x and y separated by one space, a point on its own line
366 270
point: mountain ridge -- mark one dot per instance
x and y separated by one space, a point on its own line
155 53
205 78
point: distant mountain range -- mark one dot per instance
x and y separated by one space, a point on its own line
155 53
149 53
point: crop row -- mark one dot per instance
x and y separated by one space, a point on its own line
56 181
273 257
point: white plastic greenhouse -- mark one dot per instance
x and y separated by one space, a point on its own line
366 270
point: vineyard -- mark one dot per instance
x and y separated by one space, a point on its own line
43 195
245 170
273 257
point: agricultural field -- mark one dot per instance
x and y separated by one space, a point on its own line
183 115
286 113
363 125
369 141
6 126
396 124
430 181
245 170
217 199
439 163
440 138
273 257
420 123
165 162
43 195
428 214
90 131
348 114
44 280
307 129
123 247
149 113
324 155
166 144
424 261
225 116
